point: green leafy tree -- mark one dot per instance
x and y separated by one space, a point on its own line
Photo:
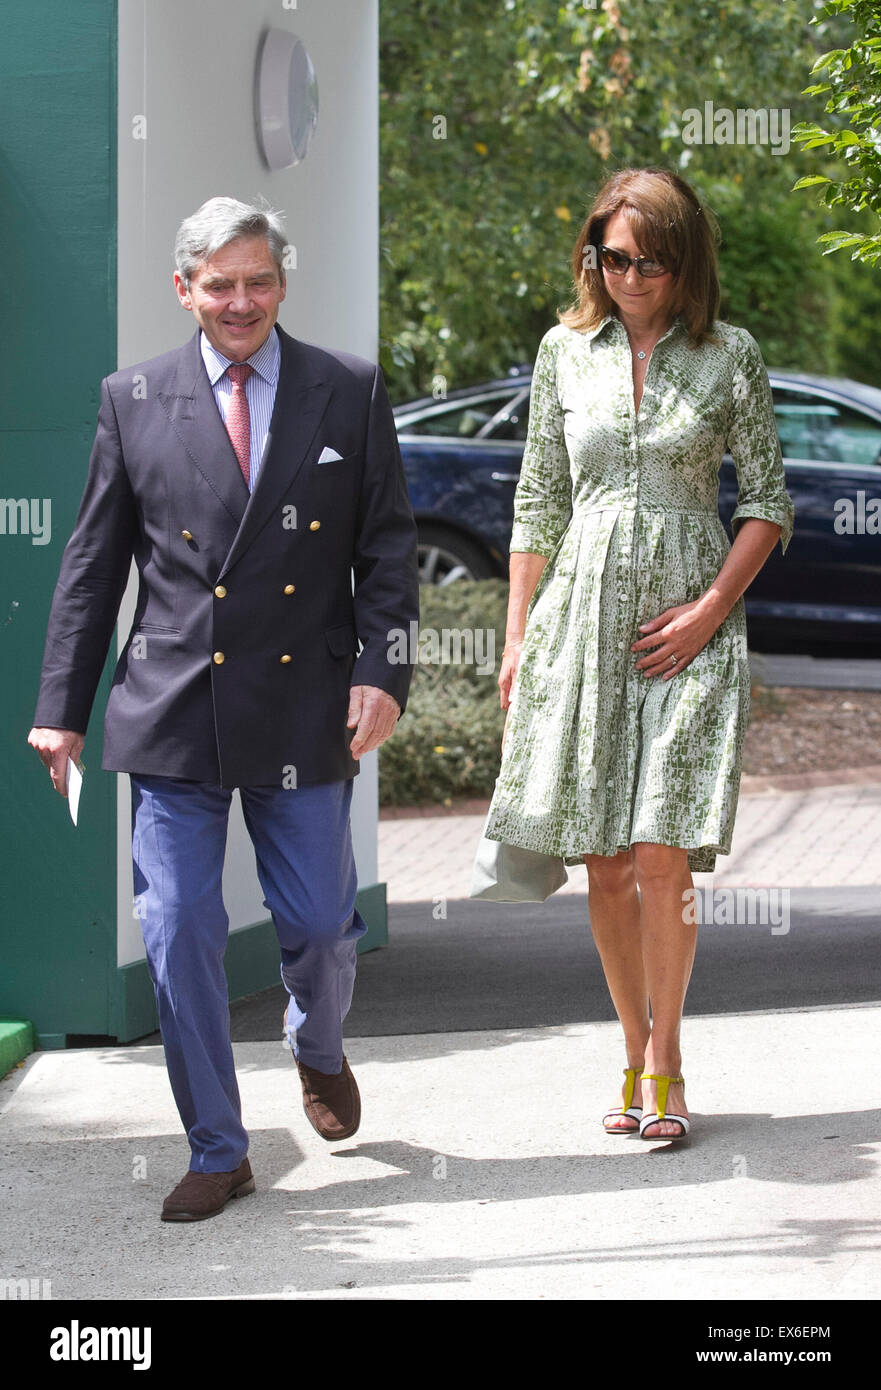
853 135
500 120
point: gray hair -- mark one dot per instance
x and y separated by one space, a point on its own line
220 221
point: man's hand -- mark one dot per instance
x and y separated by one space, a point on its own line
55 746
375 713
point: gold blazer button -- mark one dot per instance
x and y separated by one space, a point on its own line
187 535
289 588
219 658
314 525
285 659
220 591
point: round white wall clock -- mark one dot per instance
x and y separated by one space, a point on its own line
286 99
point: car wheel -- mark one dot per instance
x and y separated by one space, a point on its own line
445 557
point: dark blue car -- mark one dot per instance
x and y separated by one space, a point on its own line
462 458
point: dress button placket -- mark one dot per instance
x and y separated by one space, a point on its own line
633 499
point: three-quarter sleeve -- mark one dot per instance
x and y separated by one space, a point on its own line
543 500
755 446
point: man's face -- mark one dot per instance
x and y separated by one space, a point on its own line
234 296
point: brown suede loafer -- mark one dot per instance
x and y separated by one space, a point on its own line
332 1103
200 1195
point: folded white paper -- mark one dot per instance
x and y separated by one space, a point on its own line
74 786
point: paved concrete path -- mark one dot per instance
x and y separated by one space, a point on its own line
480 1172
816 672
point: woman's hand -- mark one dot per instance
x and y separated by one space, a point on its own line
507 676
526 570
682 631
508 671
686 629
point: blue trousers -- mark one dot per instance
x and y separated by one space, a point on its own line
303 844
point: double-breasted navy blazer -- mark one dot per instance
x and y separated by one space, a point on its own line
251 607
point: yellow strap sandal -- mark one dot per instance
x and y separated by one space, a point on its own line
664 1084
634 1112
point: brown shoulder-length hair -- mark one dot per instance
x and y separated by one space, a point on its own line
669 225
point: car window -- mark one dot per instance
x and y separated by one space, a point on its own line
512 420
814 427
459 419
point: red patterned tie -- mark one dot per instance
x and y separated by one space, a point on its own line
238 417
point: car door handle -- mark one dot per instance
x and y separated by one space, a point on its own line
505 477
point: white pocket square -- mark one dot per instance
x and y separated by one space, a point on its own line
328 455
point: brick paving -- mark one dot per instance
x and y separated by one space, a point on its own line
785 836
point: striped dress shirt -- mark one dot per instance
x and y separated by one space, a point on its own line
260 390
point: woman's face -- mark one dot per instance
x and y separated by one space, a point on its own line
637 295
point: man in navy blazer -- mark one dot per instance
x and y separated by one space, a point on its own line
256 481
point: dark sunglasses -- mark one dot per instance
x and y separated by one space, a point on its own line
617 263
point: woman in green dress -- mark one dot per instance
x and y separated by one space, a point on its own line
625 670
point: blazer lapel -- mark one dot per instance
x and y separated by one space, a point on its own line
301 399
195 419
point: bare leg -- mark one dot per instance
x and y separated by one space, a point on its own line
615 923
668 947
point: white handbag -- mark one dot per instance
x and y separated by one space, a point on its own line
508 874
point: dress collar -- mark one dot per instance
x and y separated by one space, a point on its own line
677 325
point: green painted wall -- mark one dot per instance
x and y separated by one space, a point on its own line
57 249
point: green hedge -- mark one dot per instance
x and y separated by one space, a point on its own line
448 743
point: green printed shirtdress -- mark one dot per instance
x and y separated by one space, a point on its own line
625 506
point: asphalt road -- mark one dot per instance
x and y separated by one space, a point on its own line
491 966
